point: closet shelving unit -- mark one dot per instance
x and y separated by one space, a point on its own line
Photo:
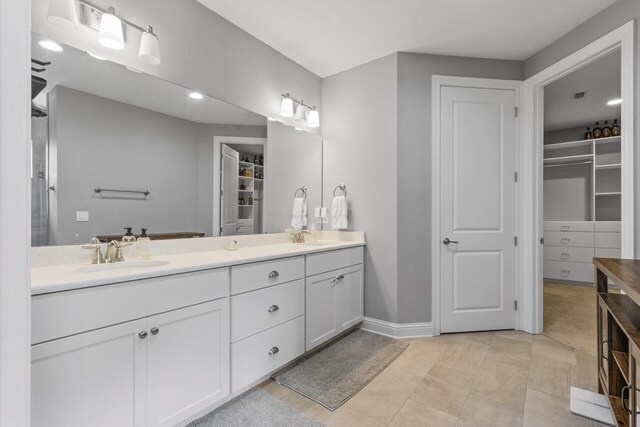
582 206
246 212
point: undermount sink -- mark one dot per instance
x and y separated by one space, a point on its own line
125 265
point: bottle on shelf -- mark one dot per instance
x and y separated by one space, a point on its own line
143 245
597 131
240 200
606 129
615 129
588 134
261 160
255 160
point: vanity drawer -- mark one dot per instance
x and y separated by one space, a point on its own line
568 226
558 253
608 253
608 240
334 260
569 238
256 311
67 313
256 356
610 226
249 277
572 271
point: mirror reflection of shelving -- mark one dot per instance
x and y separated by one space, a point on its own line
250 187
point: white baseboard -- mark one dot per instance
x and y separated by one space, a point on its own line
398 330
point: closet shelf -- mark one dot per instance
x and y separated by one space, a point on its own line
245 191
570 144
565 159
611 193
608 140
246 163
609 166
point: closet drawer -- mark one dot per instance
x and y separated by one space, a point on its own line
608 240
568 226
572 271
257 311
334 260
249 277
610 226
608 253
558 253
569 238
261 354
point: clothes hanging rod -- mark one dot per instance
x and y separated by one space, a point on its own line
111 190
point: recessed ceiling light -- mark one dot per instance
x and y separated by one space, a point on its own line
49 45
196 95
616 101
94 56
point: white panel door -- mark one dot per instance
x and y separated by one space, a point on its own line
97 378
477 146
188 361
229 192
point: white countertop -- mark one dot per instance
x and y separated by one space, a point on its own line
57 278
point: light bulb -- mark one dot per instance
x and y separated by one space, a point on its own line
111 35
63 14
286 109
196 95
616 101
149 51
314 119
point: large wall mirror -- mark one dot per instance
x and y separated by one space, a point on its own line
114 148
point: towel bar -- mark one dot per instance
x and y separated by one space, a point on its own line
342 187
100 190
303 189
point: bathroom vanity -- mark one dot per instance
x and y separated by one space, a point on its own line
163 341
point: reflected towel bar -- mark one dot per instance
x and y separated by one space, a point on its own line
342 187
304 192
110 190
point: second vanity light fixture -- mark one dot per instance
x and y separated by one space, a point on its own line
300 113
64 14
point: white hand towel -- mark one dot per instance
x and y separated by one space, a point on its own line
339 212
299 215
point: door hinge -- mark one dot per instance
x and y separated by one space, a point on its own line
515 176
515 305
542 240
517 112
515 240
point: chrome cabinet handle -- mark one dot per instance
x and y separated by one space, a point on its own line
565 241
274 350
446 241
340 277
565 255
273 274
154 331
273 308
625 390
602 348
564 228
142 335
565 272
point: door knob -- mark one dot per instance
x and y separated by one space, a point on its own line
446 241
273 308
142 335
273 274
154 331
274 350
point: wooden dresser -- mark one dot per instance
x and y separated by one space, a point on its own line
619 336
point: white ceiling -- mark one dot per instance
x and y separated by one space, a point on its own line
329 36
75 69
601 81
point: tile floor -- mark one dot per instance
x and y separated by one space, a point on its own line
493 379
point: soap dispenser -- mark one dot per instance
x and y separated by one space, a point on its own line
128 237
144 245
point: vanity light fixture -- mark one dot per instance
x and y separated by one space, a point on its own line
111 35
314 118
49 45
196 95
286 110
63 14
301 113
616 101
149 47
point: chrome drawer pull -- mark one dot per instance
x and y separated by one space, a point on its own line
273 351
273 308
565 241
565 272
142 335
154 331
564 228
273 274
565 255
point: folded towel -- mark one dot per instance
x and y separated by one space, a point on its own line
339 211
299 215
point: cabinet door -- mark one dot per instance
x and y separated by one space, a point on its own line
188 361
96 378
321 308
350 295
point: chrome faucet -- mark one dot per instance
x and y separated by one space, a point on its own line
96 246
298 235
115 246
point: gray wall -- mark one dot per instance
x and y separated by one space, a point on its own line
202 51
606 21
101 143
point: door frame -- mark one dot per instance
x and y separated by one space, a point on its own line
217 157
437 83
530 164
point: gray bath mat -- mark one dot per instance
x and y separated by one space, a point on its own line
334 374
256 408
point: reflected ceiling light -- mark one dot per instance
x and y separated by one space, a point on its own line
301 112
286 109
196 95
49 45
298 129
616 101
134 70
98 57
63 14
111 35
149 51
314 118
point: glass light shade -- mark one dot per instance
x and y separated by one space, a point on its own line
301 113
63 14
149 48
111 35
314 119
286 109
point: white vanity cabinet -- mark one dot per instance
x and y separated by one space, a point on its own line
334 294
154 371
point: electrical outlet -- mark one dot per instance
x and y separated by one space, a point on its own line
323 213
317 212
82 216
